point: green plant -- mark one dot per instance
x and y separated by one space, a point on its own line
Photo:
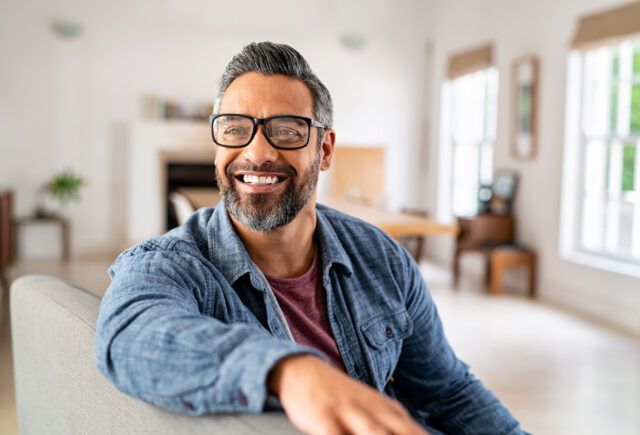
65 187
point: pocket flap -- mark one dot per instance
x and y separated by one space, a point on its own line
388 327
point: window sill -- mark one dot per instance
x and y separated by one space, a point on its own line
604 263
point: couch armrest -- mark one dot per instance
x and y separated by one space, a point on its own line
60 391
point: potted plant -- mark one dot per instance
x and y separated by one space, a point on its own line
62 190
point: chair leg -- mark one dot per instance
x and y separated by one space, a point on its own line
419 249
496 277
532 278
487 270
456 269
4 283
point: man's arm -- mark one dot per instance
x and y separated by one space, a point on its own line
432 379
154 342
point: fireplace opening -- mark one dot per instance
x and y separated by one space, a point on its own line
195 178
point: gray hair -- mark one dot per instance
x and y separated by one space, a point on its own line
269 58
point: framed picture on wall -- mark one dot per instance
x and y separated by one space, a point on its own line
525 107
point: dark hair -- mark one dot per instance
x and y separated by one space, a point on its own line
269 58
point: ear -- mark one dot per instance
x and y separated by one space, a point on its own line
328 144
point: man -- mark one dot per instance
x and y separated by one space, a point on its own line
270 298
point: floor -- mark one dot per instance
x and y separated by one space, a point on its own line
557 373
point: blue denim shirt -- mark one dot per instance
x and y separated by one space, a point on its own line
189 323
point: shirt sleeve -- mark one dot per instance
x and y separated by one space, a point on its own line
438 386
154 340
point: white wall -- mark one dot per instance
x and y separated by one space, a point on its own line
543 28
63 103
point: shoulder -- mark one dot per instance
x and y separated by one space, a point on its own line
351 229
365 244
187 240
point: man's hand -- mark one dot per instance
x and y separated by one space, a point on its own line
320 399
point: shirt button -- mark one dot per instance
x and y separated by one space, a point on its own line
388 332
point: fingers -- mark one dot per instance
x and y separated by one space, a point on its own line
321 400
386 418
357 421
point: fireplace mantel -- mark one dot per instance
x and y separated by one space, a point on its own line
151 145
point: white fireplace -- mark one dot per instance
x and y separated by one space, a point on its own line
151 146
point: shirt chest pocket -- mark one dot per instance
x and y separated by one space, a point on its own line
384 334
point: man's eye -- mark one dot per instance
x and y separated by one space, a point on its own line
287 132
235 131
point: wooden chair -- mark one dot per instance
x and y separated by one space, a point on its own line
7 235
482 234
510 256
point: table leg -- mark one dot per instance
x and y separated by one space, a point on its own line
65 240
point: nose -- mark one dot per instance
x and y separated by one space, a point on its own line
259 150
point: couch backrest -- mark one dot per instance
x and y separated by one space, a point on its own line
58 388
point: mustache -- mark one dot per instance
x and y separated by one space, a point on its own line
264 167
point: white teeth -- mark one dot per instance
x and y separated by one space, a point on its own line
254 179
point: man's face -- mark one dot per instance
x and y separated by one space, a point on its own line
246 175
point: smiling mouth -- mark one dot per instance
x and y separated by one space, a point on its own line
259 180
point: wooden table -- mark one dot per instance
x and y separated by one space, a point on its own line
395 224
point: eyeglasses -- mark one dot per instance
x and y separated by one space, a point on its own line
287 132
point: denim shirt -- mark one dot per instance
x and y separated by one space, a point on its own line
190 324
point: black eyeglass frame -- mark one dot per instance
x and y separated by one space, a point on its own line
257 121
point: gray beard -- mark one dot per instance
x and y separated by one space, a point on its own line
256 212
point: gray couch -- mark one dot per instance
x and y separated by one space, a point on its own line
58 388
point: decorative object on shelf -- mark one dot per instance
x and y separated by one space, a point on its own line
66 29
154 107
525 107
62 190
503 192
497 198
485 192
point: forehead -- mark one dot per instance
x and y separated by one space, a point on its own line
261 96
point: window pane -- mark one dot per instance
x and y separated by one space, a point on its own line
595 168
628 168
486 163
597 73
593 222
465 179
625 228
614 170
613 121
635 108
636 58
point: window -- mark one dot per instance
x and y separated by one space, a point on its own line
603 144
600 222
468 132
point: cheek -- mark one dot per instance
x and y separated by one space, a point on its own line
222 160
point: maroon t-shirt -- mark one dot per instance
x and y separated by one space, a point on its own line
303 301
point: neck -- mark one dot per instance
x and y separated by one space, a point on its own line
286 252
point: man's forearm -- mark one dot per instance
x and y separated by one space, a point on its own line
186 362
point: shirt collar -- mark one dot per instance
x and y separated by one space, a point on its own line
331 250
228 254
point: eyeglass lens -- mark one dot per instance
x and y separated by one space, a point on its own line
282 131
